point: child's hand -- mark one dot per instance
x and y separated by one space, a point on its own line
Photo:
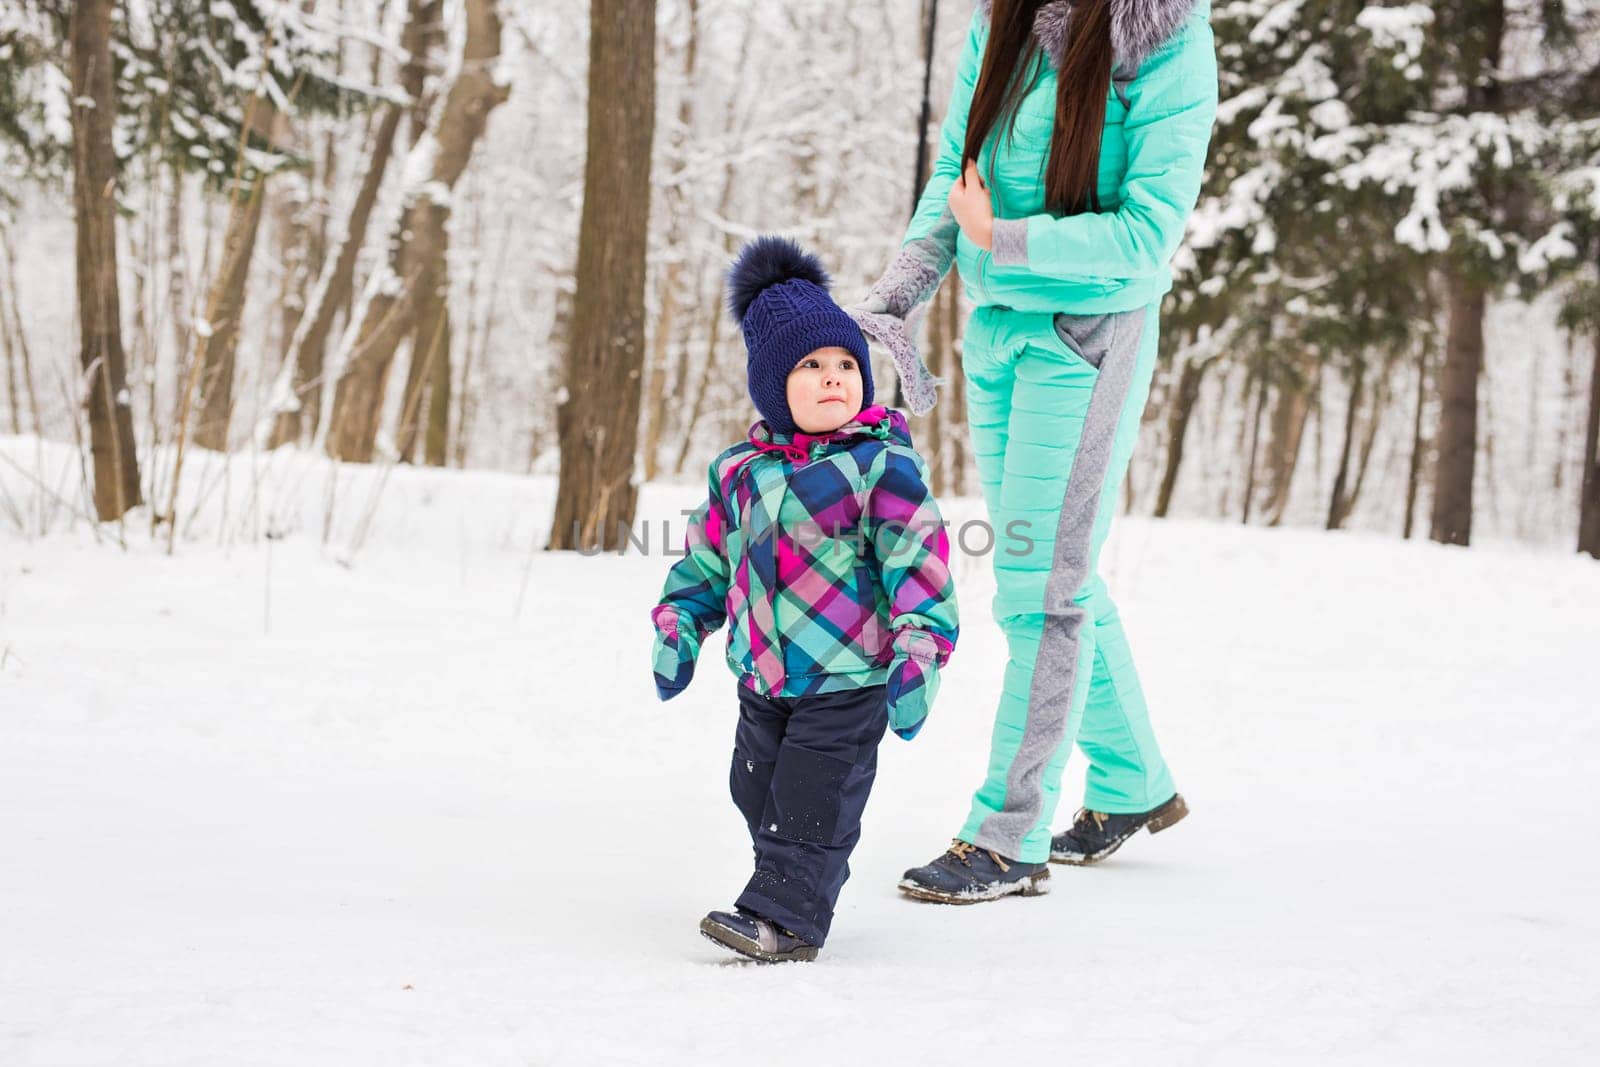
913 679
673 657
912 685
970 204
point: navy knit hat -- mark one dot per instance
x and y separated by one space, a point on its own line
778 294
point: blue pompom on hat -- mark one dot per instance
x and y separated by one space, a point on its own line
778 294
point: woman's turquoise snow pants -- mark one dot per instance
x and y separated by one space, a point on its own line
1054 405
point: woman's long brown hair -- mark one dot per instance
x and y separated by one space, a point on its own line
1073 167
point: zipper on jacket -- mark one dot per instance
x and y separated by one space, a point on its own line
777 536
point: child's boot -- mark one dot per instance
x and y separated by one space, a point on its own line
1096 834
751 935
967 874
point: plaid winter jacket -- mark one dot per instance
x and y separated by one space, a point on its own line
828 555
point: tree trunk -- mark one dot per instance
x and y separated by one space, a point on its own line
13 390
1414 470
1255 448
928 19
301 411
291 223
381 322
1369 440
94 189
320 193
177 287
660 355
733 128
656 405
8 351
1463 361
1339 504
430 345
697 405
957 399
298 397
478 348
436 446
18 333
224 309
1288 425
430 350
419 374
1589 506
416 248
560 339
141 249
1183 401
319 208
598 419
1458 415
680 367
425 31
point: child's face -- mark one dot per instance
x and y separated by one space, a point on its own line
825 390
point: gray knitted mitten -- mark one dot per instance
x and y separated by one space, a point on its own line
894 306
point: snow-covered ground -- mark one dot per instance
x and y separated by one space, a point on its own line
260 806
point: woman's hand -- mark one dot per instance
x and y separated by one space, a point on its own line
970 204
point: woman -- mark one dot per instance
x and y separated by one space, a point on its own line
1071 157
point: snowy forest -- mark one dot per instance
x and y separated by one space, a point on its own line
361 359
357 228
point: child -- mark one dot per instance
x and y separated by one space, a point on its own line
822 545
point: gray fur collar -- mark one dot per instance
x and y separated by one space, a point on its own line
1138 28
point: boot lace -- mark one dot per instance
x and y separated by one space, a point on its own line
963 850
1084 817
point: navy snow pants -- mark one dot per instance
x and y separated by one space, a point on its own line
802 769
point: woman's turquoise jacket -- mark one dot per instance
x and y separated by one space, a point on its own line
1159 111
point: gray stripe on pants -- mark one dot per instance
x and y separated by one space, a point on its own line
1110 342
